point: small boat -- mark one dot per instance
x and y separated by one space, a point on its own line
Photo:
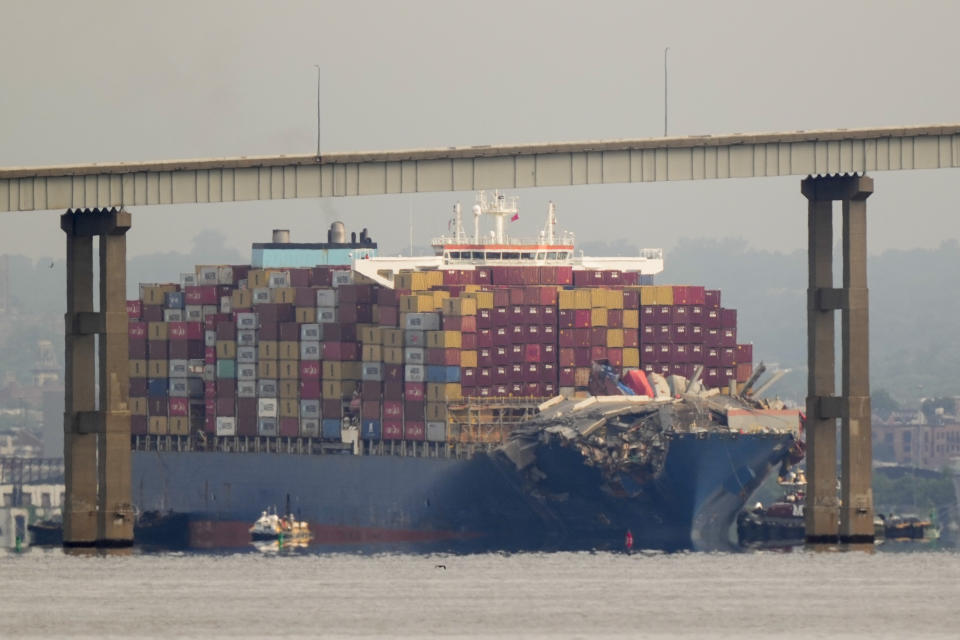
270 526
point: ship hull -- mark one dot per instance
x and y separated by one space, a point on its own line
464 505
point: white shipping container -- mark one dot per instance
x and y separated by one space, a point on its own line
326 297
436 431
226 426
414 355
415 338
179 388
188 279
414 373
195 367
310 427
423 321
209 338
310 350
207 274
246 388
176 368
267 407
326 315
267 426
226 304
246 337
246 371
310 331
246 354
279 279
266 388
371 371
246 320
261 296
225 275
209 373
209 310
193 313
342 277
173 315
309 408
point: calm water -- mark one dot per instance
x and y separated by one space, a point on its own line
800 594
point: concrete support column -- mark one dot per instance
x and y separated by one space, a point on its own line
849 517
822 509
79 449
856 492
98 510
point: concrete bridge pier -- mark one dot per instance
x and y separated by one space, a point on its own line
847 518
97 510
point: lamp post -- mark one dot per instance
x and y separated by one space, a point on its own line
318 109
664 92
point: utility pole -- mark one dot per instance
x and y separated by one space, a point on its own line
318 109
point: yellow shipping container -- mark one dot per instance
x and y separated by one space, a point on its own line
337 388
288 369
459 306
257 279
631 358
598 298
268 350
138 406
444 339
241 299
631 319
157 369
598 317
157 425
289 408
417 303
267 369
155 294
289 350
283 295
178 425
138 369
484 299
614 337
583 298
393 355
648 295
306 315
567 299
371 335
436 411
664 294
392 337
156 331
614 298
289 389
443 392
226 349
439 296
468 358
372 353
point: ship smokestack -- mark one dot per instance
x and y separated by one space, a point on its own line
338 233
281 236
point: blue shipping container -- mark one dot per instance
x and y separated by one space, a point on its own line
331 428
158 387
173 300
370 430
442 373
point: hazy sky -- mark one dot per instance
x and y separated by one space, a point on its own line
126 81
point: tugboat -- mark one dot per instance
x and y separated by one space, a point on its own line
272 527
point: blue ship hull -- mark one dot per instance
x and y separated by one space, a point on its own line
480 504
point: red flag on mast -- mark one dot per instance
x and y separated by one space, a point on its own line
515 217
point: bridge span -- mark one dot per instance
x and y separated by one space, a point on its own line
799 153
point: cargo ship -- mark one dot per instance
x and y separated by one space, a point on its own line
398 402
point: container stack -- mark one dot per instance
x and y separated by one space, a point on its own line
236 351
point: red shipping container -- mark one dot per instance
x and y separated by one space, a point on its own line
309 370
226 406
389 316
696 295
331 408
680 354
548 315
744 353
137 350
566 338
209 355
138 387
728 337
533 389
415 430
226 388
728 318
615 356
548 334
393 390
679 333
289 427
566 377
178 331
393 430
392 410
341 351
531 372
484 319
566 318
484 376
581 357
468 341
598 336
206 294
631 338
485 356
582 279
138 425
133 309
414 391
581 318
631 298
370 409
517 352
178 350
137 330
581 337
310 389
158 349
501 316
614 318
665 353
414 410
548 353
612 277
629 278
321 277
518 334
515 389
532 333
151 313
648 315
728 356
370 390
466 324
210 406
597 353
468 377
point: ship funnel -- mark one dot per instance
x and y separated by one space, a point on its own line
281 236
338 233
